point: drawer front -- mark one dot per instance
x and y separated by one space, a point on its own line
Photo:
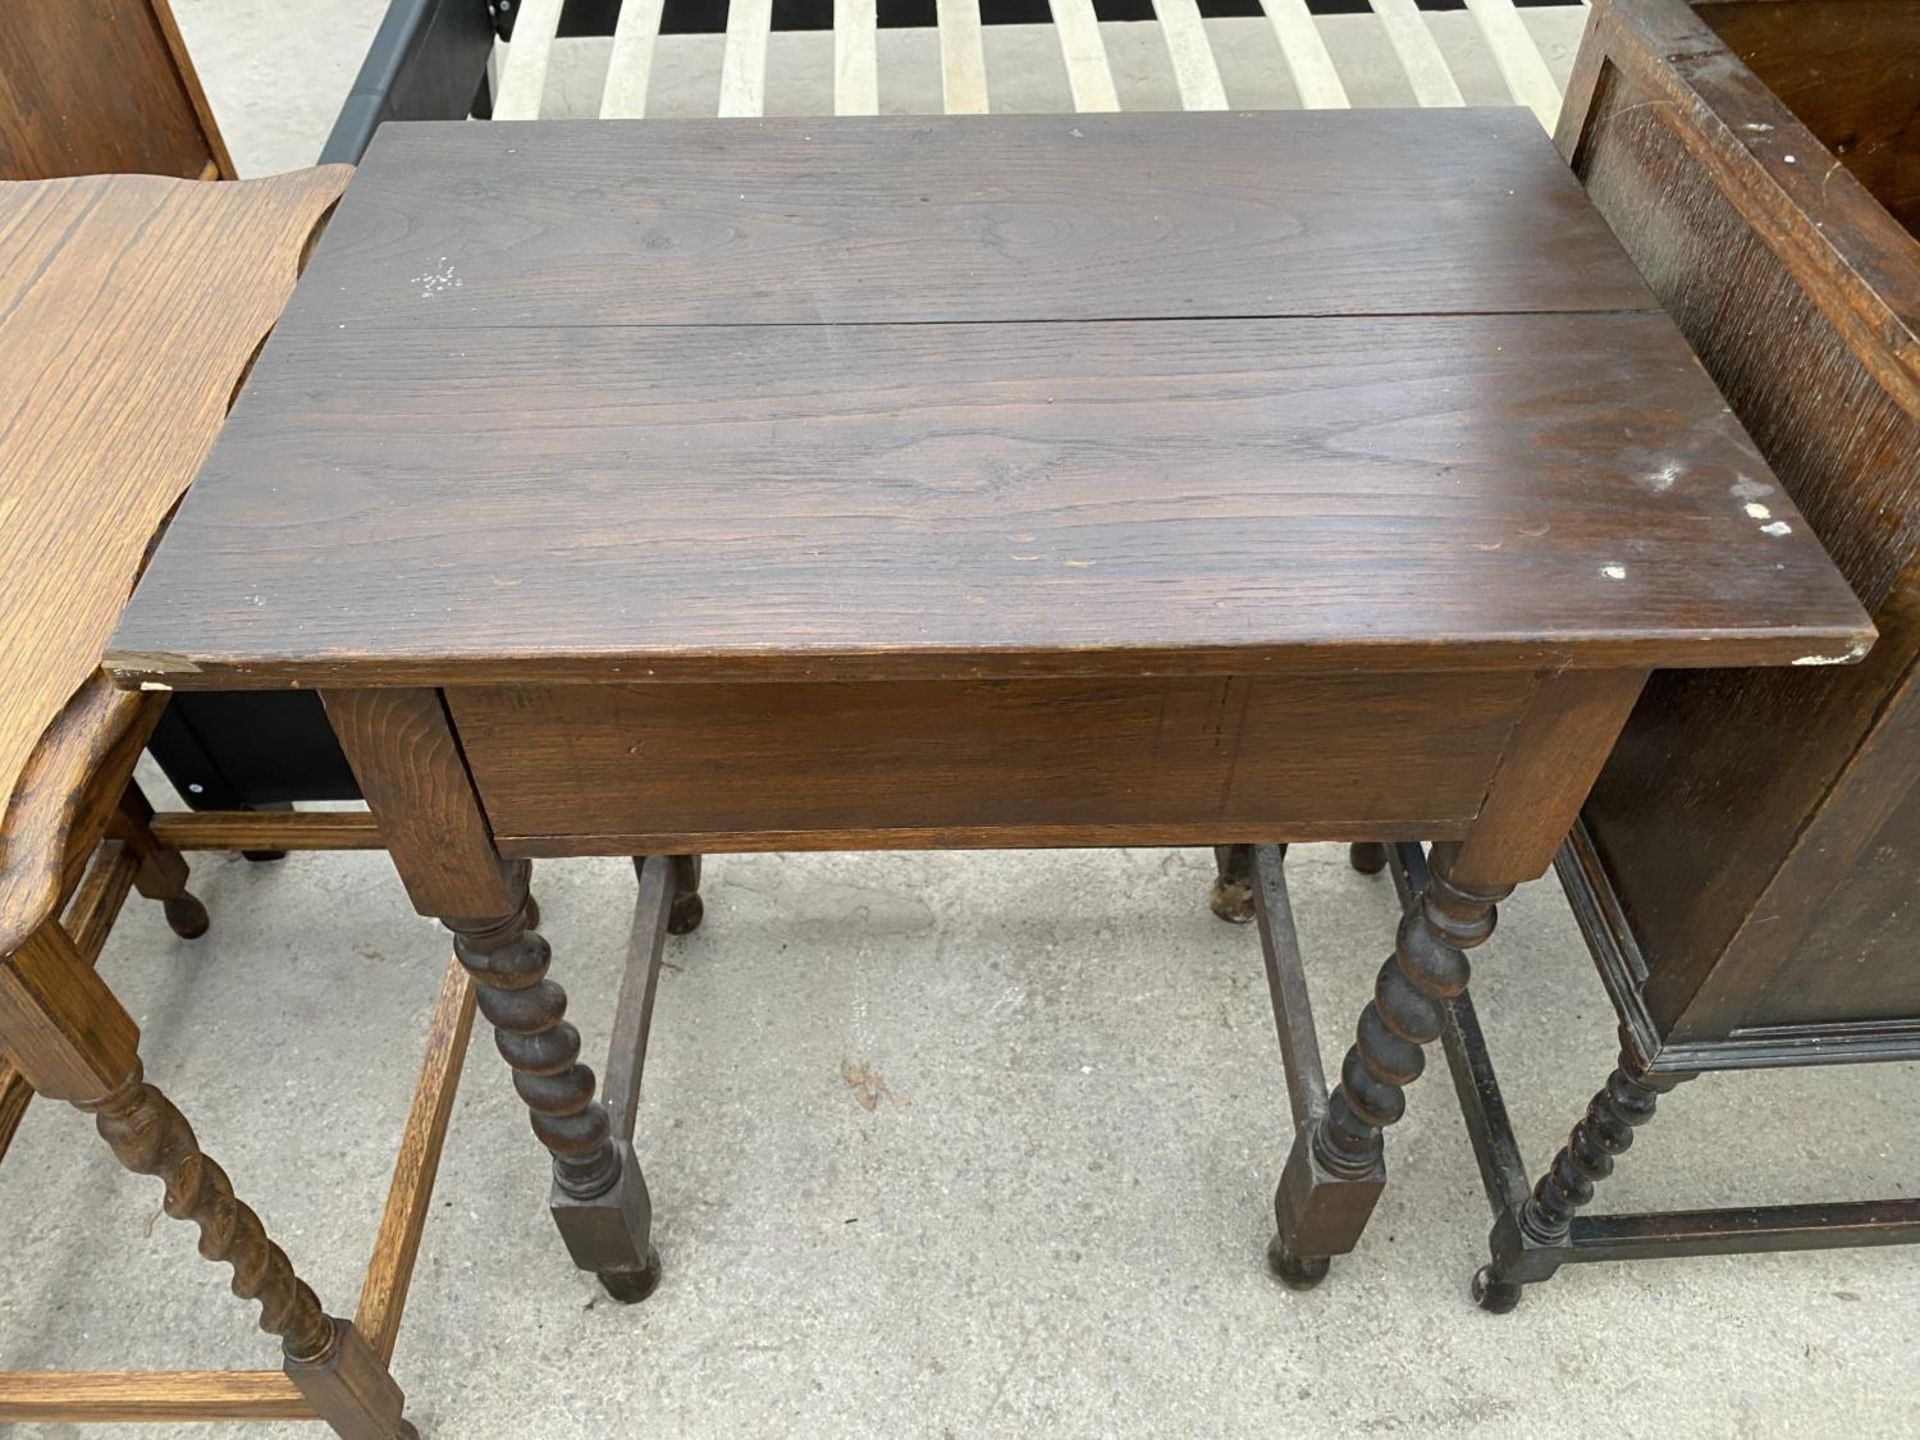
619 769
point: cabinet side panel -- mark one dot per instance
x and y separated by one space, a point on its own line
1717 771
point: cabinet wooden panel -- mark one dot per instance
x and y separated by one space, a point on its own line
92 87
1754 825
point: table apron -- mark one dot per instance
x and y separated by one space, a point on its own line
619 769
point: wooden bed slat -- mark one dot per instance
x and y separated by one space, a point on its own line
1521 64
523 74
1194 70
743 65
963 61
1088 73
630 66
1420 57
856 66
1306 55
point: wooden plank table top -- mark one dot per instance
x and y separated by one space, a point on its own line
1073 395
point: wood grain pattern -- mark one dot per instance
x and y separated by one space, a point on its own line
1015 217
1560 740
396 1245
64 1031
97 276
942 501
96 86
1849 70
1704 814
410 768
1240 756
60 802
268 830
177 1395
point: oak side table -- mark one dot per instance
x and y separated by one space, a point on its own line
665 488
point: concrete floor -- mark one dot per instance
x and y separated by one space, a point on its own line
939 1145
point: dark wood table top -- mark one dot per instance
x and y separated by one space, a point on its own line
978 397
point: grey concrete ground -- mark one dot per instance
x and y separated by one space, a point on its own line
940 1145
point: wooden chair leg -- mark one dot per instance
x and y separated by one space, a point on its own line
75 1042
161 871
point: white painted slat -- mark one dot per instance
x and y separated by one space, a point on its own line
963 61
1194 70
630 65
1521 64
743 64
1419 52
1088 74
856 61
523 77
1306 54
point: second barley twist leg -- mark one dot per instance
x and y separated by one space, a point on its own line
1428 967
150 1137
347 1383
1621 1106
600 1200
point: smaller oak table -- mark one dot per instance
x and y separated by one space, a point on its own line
665 488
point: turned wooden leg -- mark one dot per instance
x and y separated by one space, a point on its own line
1369 857
1336 1169
403 752
1528 1244
72 1039
161 871
688 908
1232 897
599 1200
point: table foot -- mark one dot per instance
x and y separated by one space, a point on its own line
1232 897
630 1287
1369 857
160 871
186 916
1495 1296
688 909
1296 1272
